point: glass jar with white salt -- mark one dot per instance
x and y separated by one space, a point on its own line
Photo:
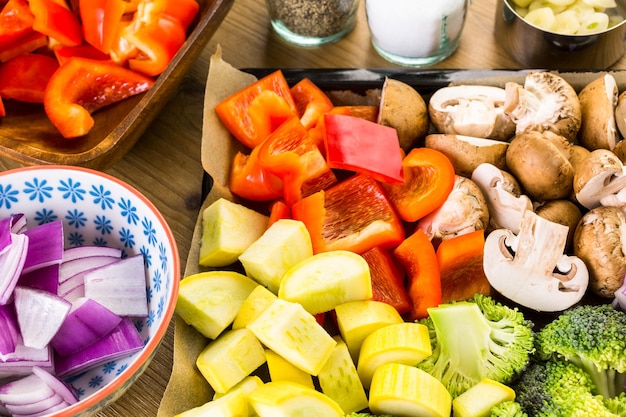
416 33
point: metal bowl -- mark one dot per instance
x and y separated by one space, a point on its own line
533 47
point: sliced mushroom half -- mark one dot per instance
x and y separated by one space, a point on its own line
546 101
471 110
600 179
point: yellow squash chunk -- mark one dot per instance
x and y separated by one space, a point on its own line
227 230
254 305
209 301
340 381
325 280
358 319
481 398
284 244
406 391
230 358
292 332
289 399
247 385
233 404
404 343
281 369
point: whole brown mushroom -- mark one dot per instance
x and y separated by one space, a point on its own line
598 101
599 242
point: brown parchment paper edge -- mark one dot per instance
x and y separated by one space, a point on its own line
187 388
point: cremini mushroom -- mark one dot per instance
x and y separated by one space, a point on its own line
563 212
541 166
503 196
531 269
599 241
471 110
546 101
465 210
600 180
404 109
620 114
467 152
598 101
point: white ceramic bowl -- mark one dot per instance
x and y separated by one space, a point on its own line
97 208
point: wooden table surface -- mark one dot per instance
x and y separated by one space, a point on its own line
165 162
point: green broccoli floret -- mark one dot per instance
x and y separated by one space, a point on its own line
592 337
508 409
476 339
558 388
617 405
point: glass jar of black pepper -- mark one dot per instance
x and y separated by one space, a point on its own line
312 22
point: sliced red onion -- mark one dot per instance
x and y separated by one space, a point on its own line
87 322
24 390
74 267
5 233
120 287
11 265
18 223
56 384
46 245
619 301
9 330
77 252
46 279
40 314
36 407
124 340
22 361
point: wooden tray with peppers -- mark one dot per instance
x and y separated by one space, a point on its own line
27 133
187 387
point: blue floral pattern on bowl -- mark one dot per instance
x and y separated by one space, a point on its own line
98 209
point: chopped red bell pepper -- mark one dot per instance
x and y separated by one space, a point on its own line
24 45
387 280
278 210
428 180
353 214
184 11
101 22
289 153
3 111
157 44
419 259
254 112
311 102
249 180
81 86
461 266
25 77
362 146
57 21
16 21
363 111
63 53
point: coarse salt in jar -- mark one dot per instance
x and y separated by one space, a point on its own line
312 22
416 32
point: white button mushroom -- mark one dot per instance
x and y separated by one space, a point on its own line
531 269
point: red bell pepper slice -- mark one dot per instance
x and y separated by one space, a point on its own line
460 262
362 146
417 256
101 22
57 21
387 280
278 210
311 102
363 111
25 77
16 21
184 11
428 179
24 45
81 86
289 153
3 111
157 44
254 112
63 53
249 180
353 214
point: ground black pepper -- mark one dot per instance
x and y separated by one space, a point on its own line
314 18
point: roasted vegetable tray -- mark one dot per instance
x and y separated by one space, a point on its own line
186 384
